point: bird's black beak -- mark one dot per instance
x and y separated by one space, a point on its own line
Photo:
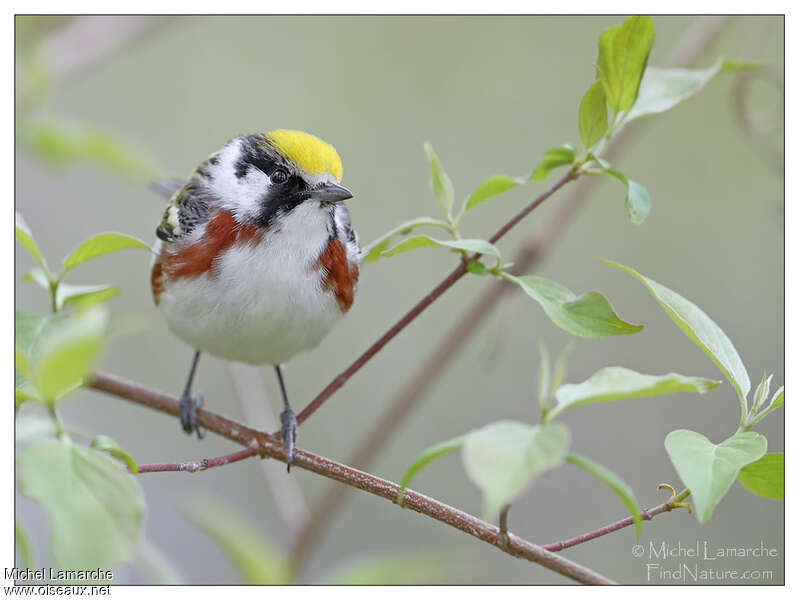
331 193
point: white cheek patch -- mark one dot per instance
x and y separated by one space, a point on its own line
241 196
251 189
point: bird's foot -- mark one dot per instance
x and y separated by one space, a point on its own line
188 405
289 432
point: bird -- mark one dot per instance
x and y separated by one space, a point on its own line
256 258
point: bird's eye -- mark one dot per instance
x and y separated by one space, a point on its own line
279 176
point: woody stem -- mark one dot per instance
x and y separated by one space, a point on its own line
266 445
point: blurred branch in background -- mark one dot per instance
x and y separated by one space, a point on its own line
266 445
51 51
761 125
696 40
86 40
754 122
254 399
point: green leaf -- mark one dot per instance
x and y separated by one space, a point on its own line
701 330
614 482
25 237
663 89
615 383
84 296
477 268
69 353
95 508
775 403
762 392
593 116
373 250
417 567
637 198
31 328
253 555
505 457
102 442
708 469
424 458
589 315
472 245
622 58
765 476
24 390
101 244
21 363
777 398
25 546
637 202
27 329
544 377
491 187
440 182
590 156
555 157
38 277
30 426
560 371
60 143
616 174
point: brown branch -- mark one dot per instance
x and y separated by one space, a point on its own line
268 445
423 304
697 38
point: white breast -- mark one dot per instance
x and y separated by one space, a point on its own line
265 302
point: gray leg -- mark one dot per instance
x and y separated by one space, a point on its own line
190 402
288 422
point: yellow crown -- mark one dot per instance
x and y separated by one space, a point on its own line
306 151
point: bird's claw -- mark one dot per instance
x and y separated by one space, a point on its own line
188 406
289 432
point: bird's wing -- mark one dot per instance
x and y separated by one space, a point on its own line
187 208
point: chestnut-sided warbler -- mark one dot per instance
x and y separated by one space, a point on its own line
256 258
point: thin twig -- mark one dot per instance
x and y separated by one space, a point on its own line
267 445
693 43
196 466
646 514
440 289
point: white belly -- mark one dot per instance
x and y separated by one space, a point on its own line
264 304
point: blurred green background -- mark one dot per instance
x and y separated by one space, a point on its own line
491 94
